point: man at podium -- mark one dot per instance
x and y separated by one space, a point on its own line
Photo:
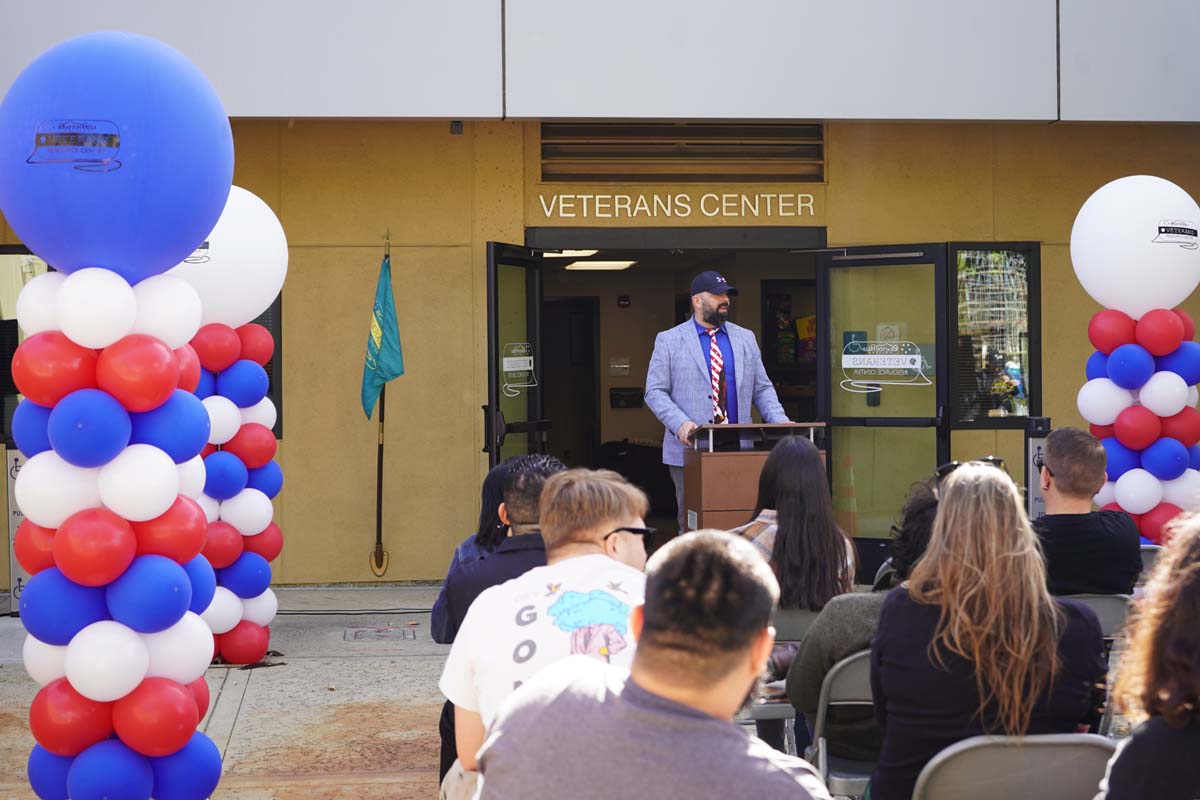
706 371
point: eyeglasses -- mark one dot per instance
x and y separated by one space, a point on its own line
950 466
647 534
1039 461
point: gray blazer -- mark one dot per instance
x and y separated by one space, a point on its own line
678 387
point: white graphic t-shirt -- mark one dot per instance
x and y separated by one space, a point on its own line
579 606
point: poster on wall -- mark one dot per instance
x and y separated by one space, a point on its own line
18 577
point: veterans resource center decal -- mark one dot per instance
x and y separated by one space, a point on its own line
1177 231
869 366
86 144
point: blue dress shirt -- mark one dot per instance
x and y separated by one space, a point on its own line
726 348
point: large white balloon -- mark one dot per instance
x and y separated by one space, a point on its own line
250 511
1100 401
1106 495
139 484
1134 245
225 419
262 609
37 304
106 661
182 652
239 271
192 475
168 308
263 412
1165 394
44 662
224 612
1193 396
96 307
212 507
1138 491
1184 491
49 489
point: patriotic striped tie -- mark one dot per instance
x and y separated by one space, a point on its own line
716 366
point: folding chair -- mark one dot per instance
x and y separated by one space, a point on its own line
791 624
848 683
1112 609
1065 766
1149 554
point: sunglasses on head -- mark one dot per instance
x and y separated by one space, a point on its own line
950 466
1039 461
647 534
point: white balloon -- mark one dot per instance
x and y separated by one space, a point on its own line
225 418
49 489
240 271
262 609
212 508
192 475
263 412
1100 401
1106 495
44 662
250 511
1193 396
139 484
168 308
1138 491
106 661
1133 245
1165 394
1184 491
96 307
224 612
37 304
182 652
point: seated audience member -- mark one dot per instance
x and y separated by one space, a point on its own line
519 549
578 604
581 729
1087 552
974 643
845 627
1158 682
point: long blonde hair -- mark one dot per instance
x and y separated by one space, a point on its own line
983 568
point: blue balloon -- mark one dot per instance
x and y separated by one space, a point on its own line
151 596
207 386
204 583
115 152
268 479
1130 366
224 475
1194 457
89 428
1166 459
48 773
179 427
29 425
249 576
108 770
1184 361
244 382
190 773
1120 458
1097 366
54 608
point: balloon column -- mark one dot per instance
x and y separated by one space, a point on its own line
116 158
1134 249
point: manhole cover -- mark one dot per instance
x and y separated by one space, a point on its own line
379 634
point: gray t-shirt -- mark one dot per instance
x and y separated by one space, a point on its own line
581 729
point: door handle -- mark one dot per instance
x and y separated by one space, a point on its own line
495 428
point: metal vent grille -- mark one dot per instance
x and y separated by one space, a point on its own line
683 151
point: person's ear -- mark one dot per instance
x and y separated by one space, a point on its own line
1046 478
760 650
502 512
637 619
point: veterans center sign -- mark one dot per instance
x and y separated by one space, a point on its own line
677 205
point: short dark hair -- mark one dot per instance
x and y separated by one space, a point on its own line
523 485
709 595
1077 461
910 536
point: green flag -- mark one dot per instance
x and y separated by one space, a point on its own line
385 360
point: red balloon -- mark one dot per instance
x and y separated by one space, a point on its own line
267 544
157 718
257 343
1137 518
140 371
1137 427
179 534
34 547
245 644
1152 522
217 345
1189 325
65 722
200 693
189 368
1184 426
208 450
1109 329
1160 331
216 645
1101 431
222 545
48 366
94 547
254 444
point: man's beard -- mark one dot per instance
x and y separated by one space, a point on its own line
714 316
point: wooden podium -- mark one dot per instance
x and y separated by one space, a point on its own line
720 486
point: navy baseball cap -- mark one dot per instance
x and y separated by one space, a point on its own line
713 282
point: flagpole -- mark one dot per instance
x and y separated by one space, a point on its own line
379 562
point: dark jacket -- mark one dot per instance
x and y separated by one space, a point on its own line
1097 553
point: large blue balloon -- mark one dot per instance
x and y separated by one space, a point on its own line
1120 458
179 427
151 596
1194 457
89 428
29 425
110 770
191 773
1184 361
249 576
1166 459
48 773
54 608
1130 366
268 479
115 152
1097 366
204 583
207 386
224 475
244 382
